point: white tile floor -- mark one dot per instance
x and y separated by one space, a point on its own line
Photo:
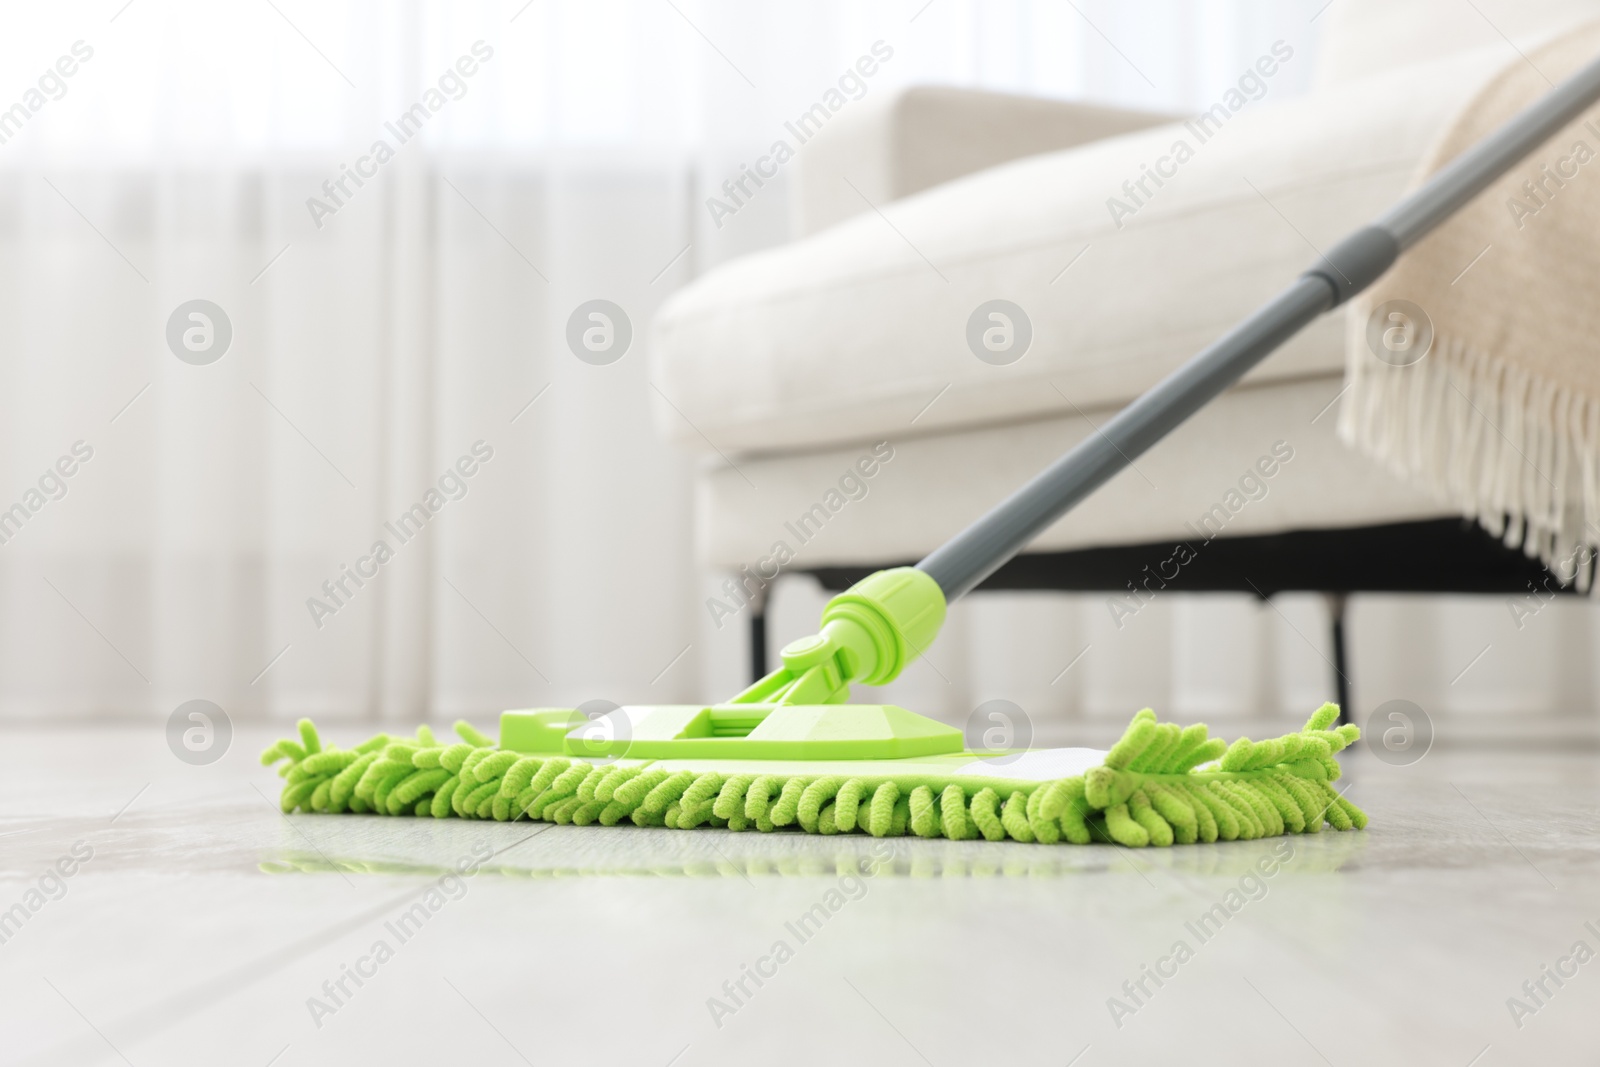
205 921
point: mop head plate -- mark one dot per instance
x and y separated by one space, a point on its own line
1159 785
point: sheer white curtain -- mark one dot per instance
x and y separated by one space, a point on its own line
420 314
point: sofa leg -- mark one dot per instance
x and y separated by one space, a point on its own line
758 644
1341 668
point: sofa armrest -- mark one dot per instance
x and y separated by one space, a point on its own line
919 137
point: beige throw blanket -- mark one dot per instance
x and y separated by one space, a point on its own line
1502 417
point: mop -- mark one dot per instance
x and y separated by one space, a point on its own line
790 752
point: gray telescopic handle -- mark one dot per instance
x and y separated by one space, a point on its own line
1346 269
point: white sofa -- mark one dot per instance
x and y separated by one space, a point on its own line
792 362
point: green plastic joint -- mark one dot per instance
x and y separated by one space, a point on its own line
869 634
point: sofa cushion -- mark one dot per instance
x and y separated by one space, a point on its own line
1361 38
921 136
861 331
1260 460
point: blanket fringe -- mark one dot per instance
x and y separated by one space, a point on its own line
1515 451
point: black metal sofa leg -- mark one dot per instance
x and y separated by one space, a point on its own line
1341 663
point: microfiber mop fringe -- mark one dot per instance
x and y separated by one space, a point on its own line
1160 785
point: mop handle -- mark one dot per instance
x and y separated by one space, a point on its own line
1346 269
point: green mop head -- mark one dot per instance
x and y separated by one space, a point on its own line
1159 785
789 752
